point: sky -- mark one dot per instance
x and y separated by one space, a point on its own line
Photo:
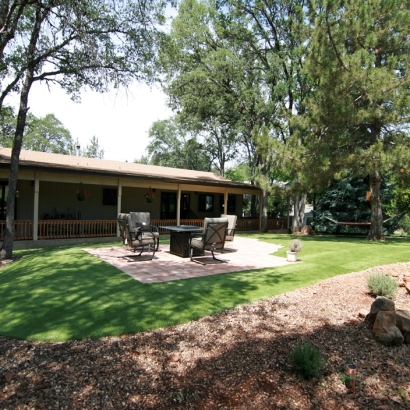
120 120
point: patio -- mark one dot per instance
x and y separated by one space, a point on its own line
246 254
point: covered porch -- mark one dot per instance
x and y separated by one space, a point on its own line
49 206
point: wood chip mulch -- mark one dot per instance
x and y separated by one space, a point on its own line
237 359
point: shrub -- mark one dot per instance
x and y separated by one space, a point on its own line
382 285
306 361
296 245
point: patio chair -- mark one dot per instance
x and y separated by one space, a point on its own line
133 236
230 232
211 239
143 220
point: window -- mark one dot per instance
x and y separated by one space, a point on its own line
110 196
4 190
231 204
206 203
168 205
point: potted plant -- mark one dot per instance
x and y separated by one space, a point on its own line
149 196
295 246
82 194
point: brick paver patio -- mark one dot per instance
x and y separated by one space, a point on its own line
246 254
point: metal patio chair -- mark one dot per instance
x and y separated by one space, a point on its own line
143 220
212 239
230 231
137 239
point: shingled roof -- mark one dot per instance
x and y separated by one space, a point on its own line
44 161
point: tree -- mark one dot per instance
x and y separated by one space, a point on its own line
93 150
276 36
74 44
360 110
172 146
345 200
237 64
44 134
47 134
7 126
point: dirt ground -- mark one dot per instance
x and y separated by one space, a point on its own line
237 359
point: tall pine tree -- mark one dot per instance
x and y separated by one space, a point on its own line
359 114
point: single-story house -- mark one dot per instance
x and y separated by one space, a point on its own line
48 205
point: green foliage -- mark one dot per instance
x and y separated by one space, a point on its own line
93 150
306 361
7 126
239 173
403 199
172 146
47 134
358 114
382 285
345 200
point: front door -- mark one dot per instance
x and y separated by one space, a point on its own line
185 206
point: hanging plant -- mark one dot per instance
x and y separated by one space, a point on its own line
149 196
82 194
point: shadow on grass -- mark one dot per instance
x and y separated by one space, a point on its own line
79 296
65 293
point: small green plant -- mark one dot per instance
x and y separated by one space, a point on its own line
382 285
306 361
345 379
296 245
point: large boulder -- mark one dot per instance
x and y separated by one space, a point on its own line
403 323
385 330
381 303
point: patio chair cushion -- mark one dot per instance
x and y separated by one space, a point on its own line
211 236
142 220
211 239
134 236
230 232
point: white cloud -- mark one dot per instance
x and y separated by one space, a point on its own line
120 120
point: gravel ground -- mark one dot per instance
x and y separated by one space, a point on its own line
237 359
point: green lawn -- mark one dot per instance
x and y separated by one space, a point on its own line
62 293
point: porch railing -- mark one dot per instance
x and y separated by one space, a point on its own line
63 229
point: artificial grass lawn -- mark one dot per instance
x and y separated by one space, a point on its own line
62 293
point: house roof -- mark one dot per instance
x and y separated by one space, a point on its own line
74 164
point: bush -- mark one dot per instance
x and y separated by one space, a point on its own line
306 361
296 245
382 285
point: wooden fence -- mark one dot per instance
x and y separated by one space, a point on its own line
63 229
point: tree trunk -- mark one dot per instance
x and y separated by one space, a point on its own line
298 211
7 248
264 216
376 228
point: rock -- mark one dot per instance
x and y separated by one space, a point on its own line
307 230
407 287
8 376
363 312
174 358
403 323
381 303
385 330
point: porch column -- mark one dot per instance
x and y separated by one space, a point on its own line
35 207
226 202
179 205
